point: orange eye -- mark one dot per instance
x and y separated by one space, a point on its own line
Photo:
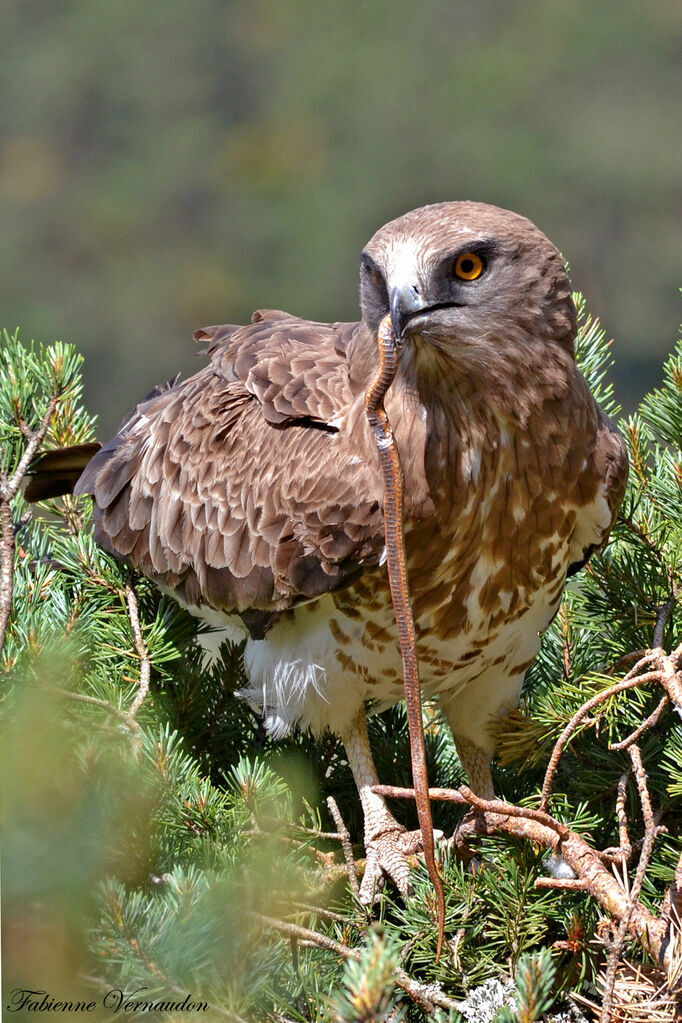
469 266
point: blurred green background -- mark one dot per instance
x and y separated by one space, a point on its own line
167 164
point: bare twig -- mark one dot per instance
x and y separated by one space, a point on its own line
631 681
662 619
344 838
304 907
573 884
670 676
636 887
645 798
400 792
464 795
141 647
425 995
633 655
623 834
498 806
650 722
9 488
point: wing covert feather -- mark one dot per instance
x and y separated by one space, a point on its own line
235 487
611 468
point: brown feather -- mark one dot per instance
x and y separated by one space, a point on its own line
56 472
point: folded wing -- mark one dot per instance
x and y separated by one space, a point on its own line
241 486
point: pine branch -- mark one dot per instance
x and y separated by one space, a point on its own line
9 488
426 996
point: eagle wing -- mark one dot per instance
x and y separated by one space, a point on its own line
241 486
609 467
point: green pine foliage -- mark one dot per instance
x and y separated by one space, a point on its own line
368 990
532 994
166 845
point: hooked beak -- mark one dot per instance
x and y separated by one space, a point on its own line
405 302
409 308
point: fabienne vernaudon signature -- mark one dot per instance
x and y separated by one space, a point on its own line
116 1000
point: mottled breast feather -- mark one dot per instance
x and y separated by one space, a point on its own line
235 487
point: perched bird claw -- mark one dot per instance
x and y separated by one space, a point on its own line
388 856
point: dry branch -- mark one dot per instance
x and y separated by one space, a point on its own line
584 861
649 722
645 856
629 682
142 653
428 996
344 837
9 488
654 933
660 936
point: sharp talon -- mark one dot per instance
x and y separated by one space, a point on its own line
388 857
385 858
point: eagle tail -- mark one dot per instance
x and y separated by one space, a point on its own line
56 472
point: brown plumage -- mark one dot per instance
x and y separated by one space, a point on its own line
252 491
58 471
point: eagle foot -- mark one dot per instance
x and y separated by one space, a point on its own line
388 856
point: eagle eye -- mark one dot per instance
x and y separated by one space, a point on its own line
374 273
469 266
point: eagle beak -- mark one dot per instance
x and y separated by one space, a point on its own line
405 302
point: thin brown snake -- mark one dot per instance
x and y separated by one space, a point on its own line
394 493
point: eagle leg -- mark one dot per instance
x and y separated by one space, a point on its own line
476 763
388 844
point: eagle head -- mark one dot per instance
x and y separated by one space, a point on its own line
467 279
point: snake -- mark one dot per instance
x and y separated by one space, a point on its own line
396 563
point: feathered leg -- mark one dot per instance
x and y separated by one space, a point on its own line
476 763
387 843
470 713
